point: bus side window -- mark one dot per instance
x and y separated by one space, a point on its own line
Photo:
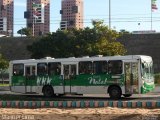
33 70
54 68
99 67
42 69
85 67
18 69
115 67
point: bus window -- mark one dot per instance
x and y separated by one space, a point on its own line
99 67
18 69
85 67
115 67
27 71
66 72
54 68
42 69
33 70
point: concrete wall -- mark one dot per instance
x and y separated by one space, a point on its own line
146 44
15 48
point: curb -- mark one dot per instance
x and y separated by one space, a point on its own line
79 104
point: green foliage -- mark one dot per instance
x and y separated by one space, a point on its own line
157 78
122 32
3 63
25 31
88 41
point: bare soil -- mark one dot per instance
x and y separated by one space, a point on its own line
106 113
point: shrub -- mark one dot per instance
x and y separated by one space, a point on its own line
157 78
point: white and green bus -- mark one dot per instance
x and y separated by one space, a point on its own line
113 75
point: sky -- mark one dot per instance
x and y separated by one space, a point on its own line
130 15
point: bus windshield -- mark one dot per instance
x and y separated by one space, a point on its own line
147 71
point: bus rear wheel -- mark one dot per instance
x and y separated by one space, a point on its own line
48 91
115 92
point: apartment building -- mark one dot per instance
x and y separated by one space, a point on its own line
6 17
71 14
38 16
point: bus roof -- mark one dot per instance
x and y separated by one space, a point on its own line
85 58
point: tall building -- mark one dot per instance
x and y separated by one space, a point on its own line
6 17
38 16
71 14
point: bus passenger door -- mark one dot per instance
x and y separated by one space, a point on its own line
69 76
135 77
30 72
128 77
131 77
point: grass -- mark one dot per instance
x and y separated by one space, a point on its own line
4 84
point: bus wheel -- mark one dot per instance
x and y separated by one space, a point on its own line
115 92
48 91
127 95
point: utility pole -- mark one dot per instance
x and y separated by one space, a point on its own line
33 25
109 14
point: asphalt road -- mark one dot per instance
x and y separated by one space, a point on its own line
152 96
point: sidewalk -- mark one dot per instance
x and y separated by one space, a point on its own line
157 89
4 88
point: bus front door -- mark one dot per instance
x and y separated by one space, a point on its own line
131 77
69 76
30 72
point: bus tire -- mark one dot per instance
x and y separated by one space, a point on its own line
48 91
115 92
127 95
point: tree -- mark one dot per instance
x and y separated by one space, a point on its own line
3 66
25 31
123 31
88 41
